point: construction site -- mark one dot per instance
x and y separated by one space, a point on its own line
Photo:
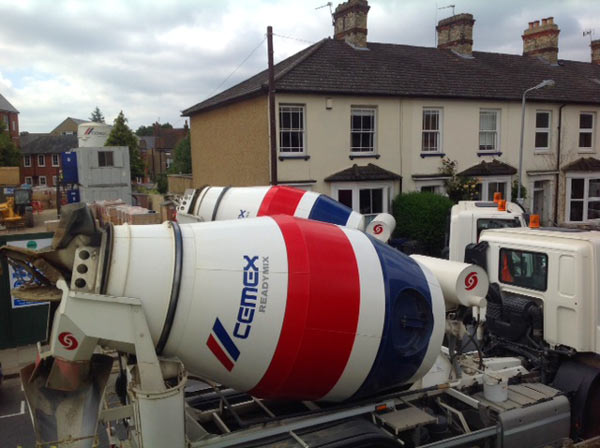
297 325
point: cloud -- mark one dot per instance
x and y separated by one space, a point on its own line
152 59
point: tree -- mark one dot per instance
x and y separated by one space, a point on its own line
458 188
121 135
182 158
148 131
9 153
145 131
97 116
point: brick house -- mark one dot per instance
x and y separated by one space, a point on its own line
41 161
363 121
157 150
10 117
68 126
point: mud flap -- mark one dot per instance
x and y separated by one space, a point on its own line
63 418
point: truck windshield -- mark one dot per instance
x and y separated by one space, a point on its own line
526 269
496 223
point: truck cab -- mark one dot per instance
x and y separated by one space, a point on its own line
556 268
543 305
469 218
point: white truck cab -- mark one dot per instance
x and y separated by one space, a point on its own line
556 268
469 218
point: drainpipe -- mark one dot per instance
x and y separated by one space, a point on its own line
558 148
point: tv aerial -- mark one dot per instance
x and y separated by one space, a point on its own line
330 10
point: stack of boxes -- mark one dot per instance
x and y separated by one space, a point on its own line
117 212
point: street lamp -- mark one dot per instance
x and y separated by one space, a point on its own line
541 85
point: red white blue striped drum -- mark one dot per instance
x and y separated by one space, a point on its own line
222 203
286 308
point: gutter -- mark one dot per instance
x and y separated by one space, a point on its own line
558 151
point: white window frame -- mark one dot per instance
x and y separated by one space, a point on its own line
543 130
43 158
497 131
487 180
57 160
29 180
586 199
439 131
438 185
363 109
292 151
14 125
27 161
590 131
42 184
54 181
388 193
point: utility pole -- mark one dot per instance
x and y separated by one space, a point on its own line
272 127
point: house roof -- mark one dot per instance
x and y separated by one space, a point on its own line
362 173
493 168
48 144
77 121
6 106
583 164
334 67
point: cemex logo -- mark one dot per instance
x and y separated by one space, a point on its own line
220 334
245 317
89 131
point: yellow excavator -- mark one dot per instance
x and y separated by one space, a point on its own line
17 211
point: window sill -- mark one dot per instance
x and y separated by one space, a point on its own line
364 156
542 151
488 153
586 151
433 154
304 157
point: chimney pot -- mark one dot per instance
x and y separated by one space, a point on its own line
456 33
542 41
350 22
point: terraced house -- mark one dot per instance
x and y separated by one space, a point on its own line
362 121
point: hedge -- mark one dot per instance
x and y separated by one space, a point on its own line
422 217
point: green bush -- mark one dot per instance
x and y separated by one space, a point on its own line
422 217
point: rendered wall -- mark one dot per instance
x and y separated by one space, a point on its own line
230 145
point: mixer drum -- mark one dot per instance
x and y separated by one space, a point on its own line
282 307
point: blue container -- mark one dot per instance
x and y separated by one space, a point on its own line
72 196
69 168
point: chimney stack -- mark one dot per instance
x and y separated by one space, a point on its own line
456 33
542 40
350 22
595 44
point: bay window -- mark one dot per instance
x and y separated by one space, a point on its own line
583 198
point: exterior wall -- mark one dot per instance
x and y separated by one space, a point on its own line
11 122
327 139
35 171
230 145
9 175
178 183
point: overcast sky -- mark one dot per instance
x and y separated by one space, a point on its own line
153 59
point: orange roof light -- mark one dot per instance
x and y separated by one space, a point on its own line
497 197
534 222
502 205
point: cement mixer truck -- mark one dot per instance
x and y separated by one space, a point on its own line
282 331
